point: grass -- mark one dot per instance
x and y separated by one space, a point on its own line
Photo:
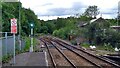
6 58
85 45
99 47
27 43
36 43
106 48
103 50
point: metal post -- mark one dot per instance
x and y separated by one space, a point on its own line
31 40
117 18
14 48
6 41
19 27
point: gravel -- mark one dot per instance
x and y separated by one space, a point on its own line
59 59
77 60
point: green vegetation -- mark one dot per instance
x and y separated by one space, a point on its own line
6 58
100 47
73 42
11 10
107 48
27 43
91 11
85 45
36 43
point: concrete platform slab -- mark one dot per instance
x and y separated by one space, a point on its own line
29 59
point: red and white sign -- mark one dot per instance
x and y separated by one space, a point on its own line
13 25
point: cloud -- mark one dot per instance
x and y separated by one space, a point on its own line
52 17
77 7
109 11
63 7
47 4
59 11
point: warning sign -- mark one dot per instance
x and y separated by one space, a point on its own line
13 25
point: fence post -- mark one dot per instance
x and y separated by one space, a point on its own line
14 48
6 41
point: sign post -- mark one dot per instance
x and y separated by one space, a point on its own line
31 47
14 47
14 31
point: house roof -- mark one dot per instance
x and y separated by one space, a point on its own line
84 23
98 20
93 20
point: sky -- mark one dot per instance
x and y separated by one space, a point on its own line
52 9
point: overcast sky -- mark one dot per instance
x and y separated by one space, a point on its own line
51 9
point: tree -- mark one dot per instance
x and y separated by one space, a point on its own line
60 23
85 18
8 12
51 27
91 11
68 29
112 37
96 31
44 29
11 10
28 16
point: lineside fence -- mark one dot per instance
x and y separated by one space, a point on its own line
8 45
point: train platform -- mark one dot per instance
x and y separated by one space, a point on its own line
29 59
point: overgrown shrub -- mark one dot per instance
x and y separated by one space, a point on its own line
74 42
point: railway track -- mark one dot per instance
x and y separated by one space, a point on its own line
76 59
51 57
91 60
58 54
81 61
85 53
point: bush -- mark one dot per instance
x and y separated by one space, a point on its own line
73 42
6 58
105 47
60 33
27 43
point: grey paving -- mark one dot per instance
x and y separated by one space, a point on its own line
36 59
29 59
